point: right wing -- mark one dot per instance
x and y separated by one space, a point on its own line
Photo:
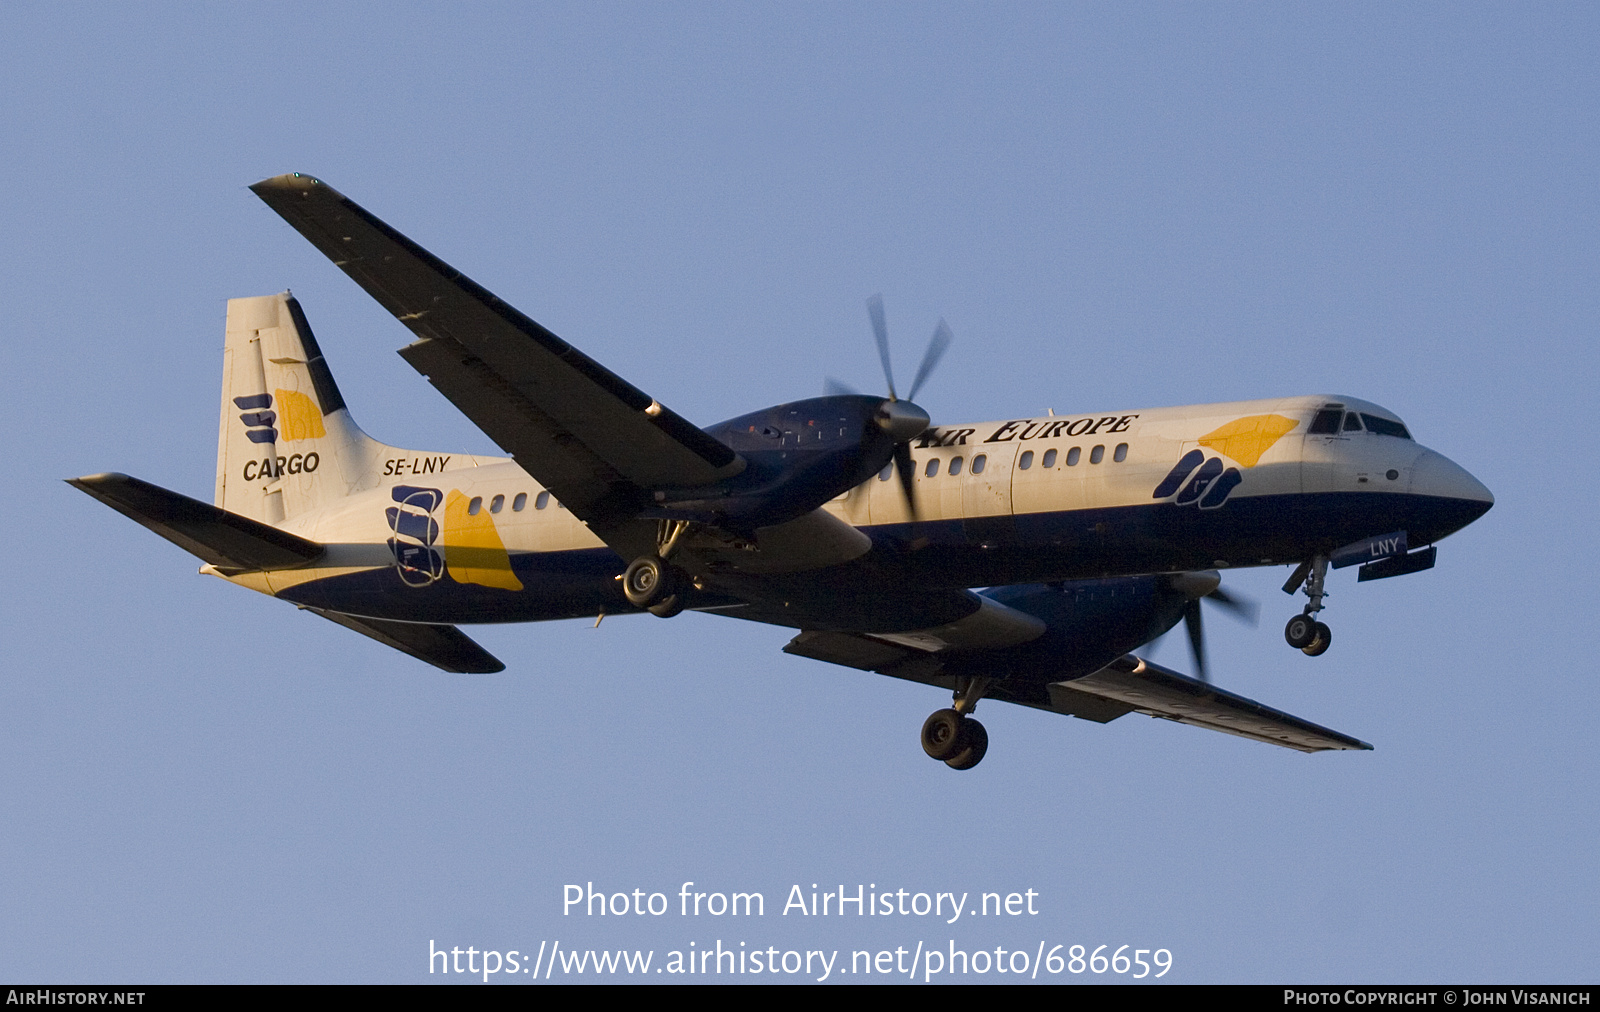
601 445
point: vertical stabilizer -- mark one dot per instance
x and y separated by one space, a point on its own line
286 443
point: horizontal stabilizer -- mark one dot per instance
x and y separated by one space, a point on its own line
232 543
1160 692
444 646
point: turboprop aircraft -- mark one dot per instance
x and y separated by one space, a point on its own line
854 520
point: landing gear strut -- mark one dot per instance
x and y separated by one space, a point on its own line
1304 632
951 736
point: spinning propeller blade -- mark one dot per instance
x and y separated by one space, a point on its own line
1206 586
1197 638
880 331
938 344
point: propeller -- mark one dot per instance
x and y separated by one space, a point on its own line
902 419
1207 585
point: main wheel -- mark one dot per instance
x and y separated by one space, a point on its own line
668 606
941 734
974 745
1320 643
1300 631
647 580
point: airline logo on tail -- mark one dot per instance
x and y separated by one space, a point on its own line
257 419
299 419
1244 440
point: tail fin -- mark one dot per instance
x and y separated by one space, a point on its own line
286 443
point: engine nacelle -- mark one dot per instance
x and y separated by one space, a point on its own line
799 455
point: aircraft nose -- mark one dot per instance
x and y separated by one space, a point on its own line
1436 475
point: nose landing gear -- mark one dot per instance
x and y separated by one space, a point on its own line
951 736
1304 632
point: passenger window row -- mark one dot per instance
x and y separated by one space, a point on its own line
1075 454
518 504
1024 462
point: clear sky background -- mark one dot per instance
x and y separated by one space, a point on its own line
1113 207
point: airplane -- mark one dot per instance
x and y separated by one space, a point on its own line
854 520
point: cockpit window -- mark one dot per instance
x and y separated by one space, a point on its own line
1326 423
1352 422
1384 427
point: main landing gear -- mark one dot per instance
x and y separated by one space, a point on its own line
951 736
1304 632
654 584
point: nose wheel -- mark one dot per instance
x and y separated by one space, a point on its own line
952 737
1307 635
1304 632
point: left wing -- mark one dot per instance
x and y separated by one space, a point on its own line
1128 684
601 445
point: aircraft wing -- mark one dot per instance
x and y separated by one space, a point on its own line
601 445
1128 684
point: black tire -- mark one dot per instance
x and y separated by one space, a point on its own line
1300 631
941 734
646 581
1320 643
975 745
668 606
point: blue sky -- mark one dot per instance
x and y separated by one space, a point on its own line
1113 206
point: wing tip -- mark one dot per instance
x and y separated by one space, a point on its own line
292 182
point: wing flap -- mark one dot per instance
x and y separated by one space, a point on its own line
443 646
585 403
232 543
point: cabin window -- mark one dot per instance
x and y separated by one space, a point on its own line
933 467
542 501
519 502
497 503
978 462
1073 455
1326 423
1025 461
1384 427
1352 422
1049 459
955 466
1097 454
888 469
475 506
1121 453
